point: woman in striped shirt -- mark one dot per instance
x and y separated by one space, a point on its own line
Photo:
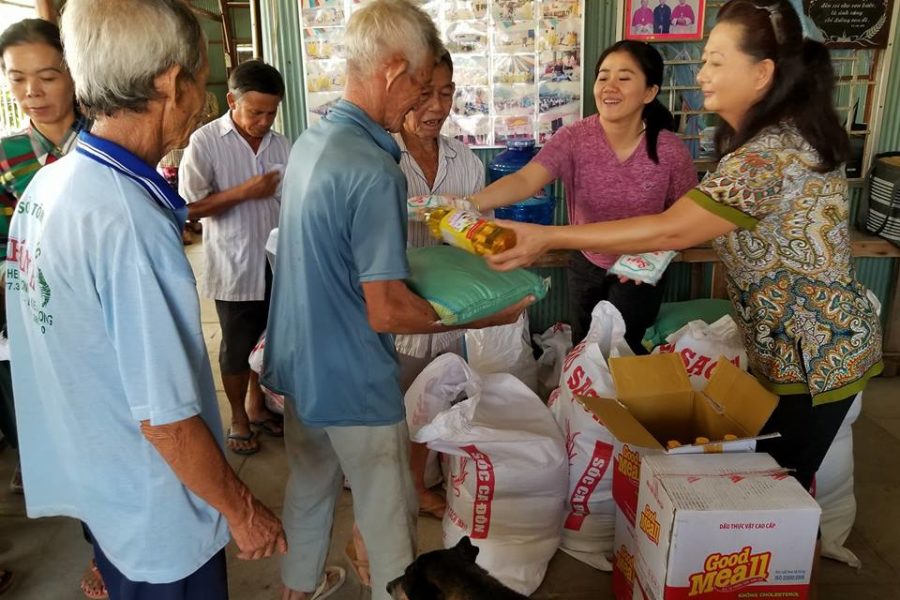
433 164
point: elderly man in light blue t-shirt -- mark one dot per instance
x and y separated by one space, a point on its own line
339 293
121 428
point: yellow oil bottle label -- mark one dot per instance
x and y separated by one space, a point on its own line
458 228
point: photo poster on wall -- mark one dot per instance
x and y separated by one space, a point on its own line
517 64
664 20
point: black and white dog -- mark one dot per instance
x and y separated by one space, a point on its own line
449 575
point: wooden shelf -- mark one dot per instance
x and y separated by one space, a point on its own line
864 246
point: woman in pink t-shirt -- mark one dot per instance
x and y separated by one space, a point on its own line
622 162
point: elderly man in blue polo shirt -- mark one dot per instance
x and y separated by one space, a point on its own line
121 428
339 293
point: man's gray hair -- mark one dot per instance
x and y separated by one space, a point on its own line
115 49
384 28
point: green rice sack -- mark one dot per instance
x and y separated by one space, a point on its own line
675 315
462 288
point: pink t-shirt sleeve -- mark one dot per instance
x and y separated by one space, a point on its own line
556 155
683 175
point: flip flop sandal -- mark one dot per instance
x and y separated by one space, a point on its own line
330 585
15 484
243 438
271 427
359 566
92 585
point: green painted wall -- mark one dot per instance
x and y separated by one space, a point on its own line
240 19
217 77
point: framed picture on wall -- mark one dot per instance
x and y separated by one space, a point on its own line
664 20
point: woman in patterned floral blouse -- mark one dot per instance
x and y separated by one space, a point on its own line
777 209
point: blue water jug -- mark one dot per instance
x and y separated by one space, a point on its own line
537 209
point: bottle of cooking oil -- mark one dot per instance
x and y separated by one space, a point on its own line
468 230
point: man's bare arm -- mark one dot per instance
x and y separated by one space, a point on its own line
191 451
259 186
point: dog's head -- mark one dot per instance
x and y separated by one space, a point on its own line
427 577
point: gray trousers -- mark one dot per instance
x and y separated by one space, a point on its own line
376 461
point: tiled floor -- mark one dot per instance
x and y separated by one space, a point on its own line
49 555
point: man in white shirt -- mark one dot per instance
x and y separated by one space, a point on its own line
230 176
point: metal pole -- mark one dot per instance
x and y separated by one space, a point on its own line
256 29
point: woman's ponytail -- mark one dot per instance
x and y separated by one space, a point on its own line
656 118
814 111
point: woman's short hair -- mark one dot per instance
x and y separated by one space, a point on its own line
384 28
115 49
29 31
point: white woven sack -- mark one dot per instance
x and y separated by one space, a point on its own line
589 526
507 470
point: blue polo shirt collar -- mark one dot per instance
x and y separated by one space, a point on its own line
116 157
347 112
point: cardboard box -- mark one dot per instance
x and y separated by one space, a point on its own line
624 551
656 403
723 526
625 581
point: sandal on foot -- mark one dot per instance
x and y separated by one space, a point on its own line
15 484
272 427
236 437
360 567
92 585
334 579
